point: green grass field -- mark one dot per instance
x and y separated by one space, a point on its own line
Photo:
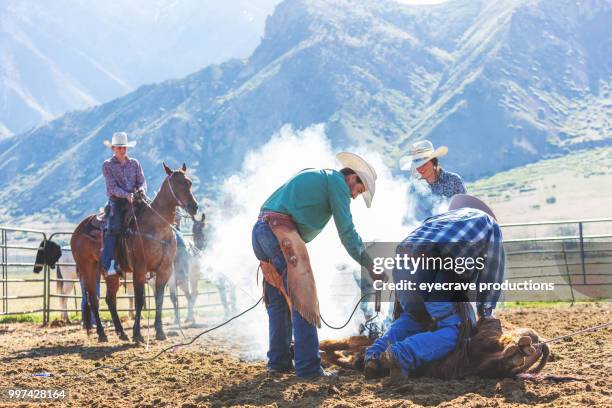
569 187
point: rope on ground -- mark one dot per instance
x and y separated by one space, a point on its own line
174 346
177 345
588 329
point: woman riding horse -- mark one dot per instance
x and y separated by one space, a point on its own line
124 178
152 246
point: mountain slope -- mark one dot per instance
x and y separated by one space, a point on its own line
70 54
493 80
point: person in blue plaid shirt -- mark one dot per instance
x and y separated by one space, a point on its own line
429 326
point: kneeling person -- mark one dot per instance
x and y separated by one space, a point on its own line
430 326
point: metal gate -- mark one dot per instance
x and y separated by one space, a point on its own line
561 250
24 293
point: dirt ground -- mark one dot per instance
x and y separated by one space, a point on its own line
208 373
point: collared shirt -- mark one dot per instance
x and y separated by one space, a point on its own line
122 179
448 184
311 198
468 233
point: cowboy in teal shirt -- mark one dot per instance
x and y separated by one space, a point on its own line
311 198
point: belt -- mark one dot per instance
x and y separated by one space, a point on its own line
275 219
263 215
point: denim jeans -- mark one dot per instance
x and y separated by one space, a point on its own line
280 324
180 240
411 345
112 229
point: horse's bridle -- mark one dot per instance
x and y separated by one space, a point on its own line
179 202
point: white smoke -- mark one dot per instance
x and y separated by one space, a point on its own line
423 203
229 254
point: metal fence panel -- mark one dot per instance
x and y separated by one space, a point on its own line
577 253
16 255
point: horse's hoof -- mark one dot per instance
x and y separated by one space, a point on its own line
123 336
160 336
138 338
102 338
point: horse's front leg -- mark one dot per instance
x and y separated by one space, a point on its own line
185 288
160 285
194 277
174 298
139 284
112 286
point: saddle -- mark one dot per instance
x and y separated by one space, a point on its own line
94 229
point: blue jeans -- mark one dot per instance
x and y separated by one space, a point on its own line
280 324
112 229
411 345
180 240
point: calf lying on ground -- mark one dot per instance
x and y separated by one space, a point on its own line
488 353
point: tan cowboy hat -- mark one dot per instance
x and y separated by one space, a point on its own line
362 168
120 139
420 153
468 201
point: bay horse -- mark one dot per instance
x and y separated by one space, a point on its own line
152 246
186 274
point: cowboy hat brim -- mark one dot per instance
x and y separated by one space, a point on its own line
411 162
108 143
366 173
468 201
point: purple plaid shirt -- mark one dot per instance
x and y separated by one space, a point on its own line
122 179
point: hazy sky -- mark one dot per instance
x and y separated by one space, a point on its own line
421 1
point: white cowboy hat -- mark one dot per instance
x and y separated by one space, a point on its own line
420 153
468 201
120 139
362 168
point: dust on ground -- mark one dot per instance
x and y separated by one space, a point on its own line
209 373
